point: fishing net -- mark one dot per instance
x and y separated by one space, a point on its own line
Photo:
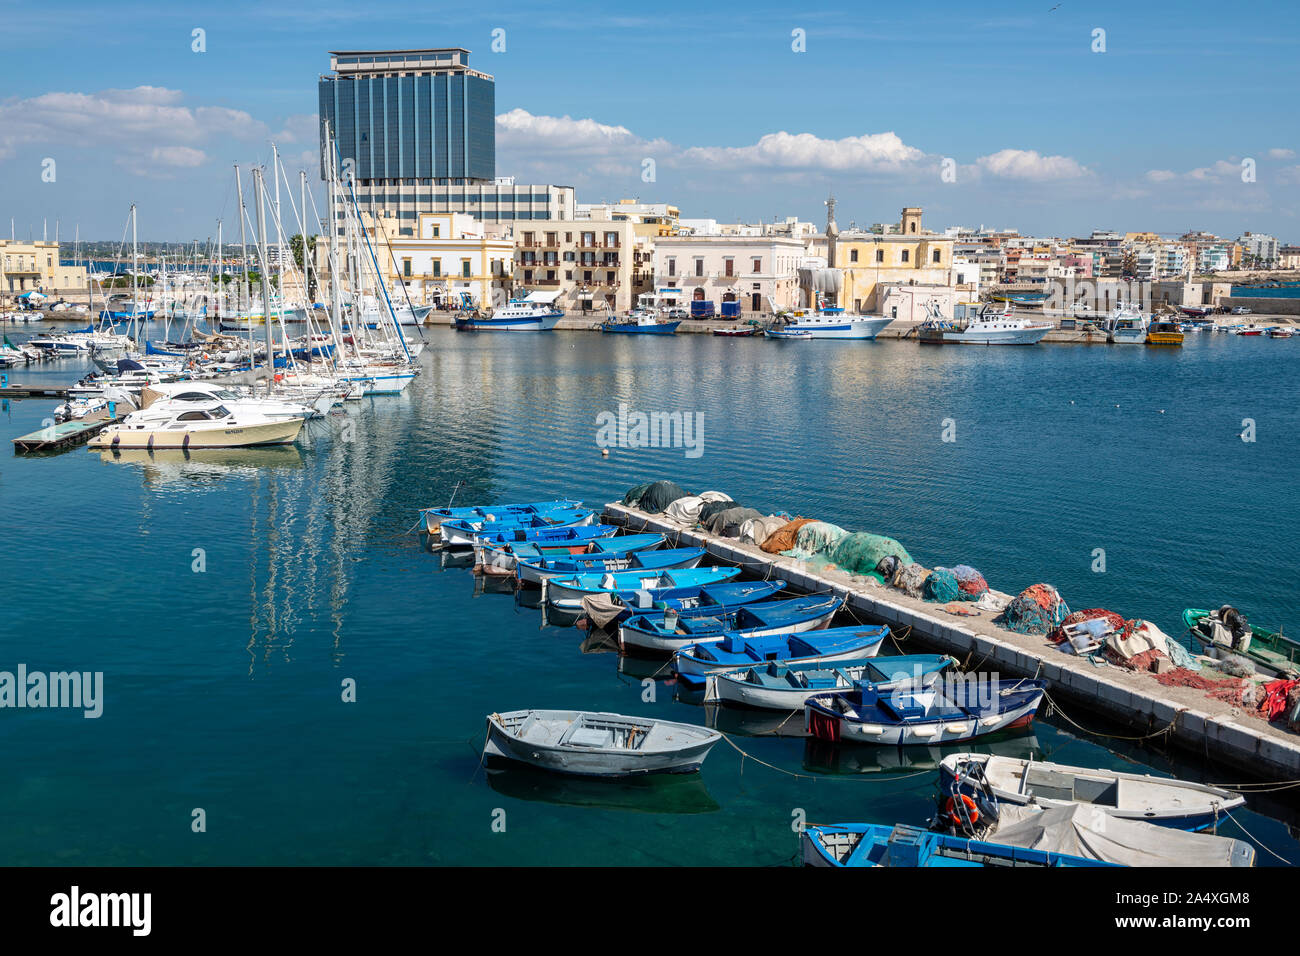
782 539
969 580
711 508
815 539
887 567
862 552
660 495
1036 610
910 579
727 523
633 497
942 586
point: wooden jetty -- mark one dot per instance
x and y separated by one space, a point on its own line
32 391
59 437
1188 718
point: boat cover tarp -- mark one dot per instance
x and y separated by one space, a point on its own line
817 538
654 496
821 279
862 551
687 510
758 530
728 521
1082 830
601 609
783 538
1137 640
1036 610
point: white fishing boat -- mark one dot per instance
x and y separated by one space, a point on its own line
1126 326
990 325
1131 796
837 324
193 425
598 744
535 313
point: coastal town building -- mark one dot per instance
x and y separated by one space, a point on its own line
34 266
650 220
908 255
593 264
415 132
760 272
1258 249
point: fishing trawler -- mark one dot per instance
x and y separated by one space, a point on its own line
990 325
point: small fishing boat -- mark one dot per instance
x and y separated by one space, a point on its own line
625 585
991 325
465 532
1227 633
1126 326
789 335
1197 311
931 715
640 322
873 844
536 313
549 536
535 572
1250 330
736 333
597 744
736 652
835 323
786 687
512 554
992 782
704 598
1164 332
668 630
432 518
1280 332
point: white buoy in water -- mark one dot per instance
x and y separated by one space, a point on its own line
604 453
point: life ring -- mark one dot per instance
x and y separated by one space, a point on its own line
951 813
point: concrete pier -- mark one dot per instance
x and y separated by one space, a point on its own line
1196 722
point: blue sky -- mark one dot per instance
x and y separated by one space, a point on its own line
1035 129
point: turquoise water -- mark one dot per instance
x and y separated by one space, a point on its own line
223 687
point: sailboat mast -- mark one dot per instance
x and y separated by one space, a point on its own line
259 188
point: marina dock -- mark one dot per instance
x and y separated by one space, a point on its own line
32 391
1186 716
59 437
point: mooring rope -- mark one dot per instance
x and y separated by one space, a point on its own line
815 777
1254 839
1055 708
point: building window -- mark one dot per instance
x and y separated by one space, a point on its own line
880 255
437 268
853 255
904 255
758 264
699 267
937 257
672 267
730 263
464 268
406 268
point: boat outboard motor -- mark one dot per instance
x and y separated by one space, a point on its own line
1236 622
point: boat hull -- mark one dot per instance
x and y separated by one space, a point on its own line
655 642
849 328
240 436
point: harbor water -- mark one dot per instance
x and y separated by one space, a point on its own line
230 598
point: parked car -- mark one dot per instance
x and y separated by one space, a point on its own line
1241 310
678 314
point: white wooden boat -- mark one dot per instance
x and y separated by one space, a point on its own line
777 686
598 744
1133 796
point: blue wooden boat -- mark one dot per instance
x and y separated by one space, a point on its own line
626 585
705 597
735 651
927 716
513 553
569 538
786 687
466 532
665 631
434 517
535 572
789 335
640 327
873 844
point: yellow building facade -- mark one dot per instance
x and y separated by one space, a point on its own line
872 263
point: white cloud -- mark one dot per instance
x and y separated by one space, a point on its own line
868 153
1281 153
519 127
1029 164
181 156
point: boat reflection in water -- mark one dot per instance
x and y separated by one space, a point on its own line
202 465
823 756
747 721
647 793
